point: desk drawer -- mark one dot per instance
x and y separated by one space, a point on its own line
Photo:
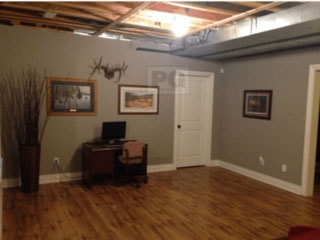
101 162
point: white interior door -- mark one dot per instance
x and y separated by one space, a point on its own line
193 113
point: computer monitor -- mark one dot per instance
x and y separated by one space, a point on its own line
113 131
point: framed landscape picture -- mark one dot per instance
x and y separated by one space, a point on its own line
136 99
71 97
257 104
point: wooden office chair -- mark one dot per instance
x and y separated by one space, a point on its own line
134 162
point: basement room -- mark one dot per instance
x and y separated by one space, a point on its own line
160 120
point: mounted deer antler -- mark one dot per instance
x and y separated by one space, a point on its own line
109 71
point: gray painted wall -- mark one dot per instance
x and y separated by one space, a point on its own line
280 140
66 55
235 140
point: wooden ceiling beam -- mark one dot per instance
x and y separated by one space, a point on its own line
101 13
142 31
51 8
52 22
15 22
255 5
120 16
150 29
147 21
123 17
145 35
118 8
202 8
5 13
238 17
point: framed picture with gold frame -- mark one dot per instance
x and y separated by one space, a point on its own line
71 97
137 99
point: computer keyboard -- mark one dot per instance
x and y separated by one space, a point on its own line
113 145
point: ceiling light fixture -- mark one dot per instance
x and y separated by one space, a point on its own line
180 25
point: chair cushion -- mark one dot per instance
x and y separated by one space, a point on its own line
130 161
304 233
134 149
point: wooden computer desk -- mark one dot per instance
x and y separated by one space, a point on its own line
101 159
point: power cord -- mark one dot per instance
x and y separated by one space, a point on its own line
62 174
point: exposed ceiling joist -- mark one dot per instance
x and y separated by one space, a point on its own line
57 8
297 27
256 5
94 11
123 17
202 8
146 18
238 17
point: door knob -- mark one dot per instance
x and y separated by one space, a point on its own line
179 126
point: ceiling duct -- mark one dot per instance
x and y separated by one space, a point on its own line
295 27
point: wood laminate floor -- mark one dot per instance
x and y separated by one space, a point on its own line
192 203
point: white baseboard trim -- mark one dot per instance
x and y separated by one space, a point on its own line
297 189
213 163
64 177
73 176
10 182
44 179
161 168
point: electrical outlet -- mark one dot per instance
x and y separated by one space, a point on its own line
261 160
284 168
55 160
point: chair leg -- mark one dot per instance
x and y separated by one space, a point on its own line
145 179
140 178
131 176
137 184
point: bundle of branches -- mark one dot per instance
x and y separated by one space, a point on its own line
22 93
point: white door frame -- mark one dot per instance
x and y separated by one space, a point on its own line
311 129
208 102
